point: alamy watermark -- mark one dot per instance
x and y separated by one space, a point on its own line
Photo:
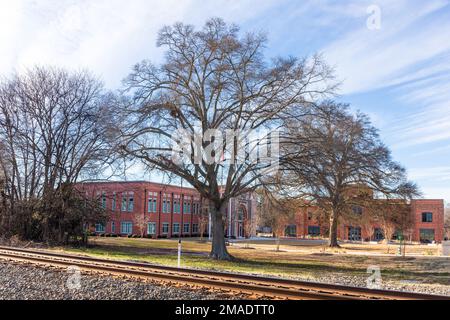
374 20
374 281
259 149
74 280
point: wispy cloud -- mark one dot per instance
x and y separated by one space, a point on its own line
371 59
106 36
408 56
404 67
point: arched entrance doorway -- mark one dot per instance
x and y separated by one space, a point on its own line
242 219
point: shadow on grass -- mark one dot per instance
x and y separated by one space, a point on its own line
202 260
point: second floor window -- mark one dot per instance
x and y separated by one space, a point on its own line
427 217
166 206
196 208
130 202
127 202
187 208
114 202
176 207
103 200
152 205
124 202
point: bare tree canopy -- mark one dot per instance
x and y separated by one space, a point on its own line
336 160
215 79
51 126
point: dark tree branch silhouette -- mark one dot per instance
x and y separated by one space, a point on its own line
214 78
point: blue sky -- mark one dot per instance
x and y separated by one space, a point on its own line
398 74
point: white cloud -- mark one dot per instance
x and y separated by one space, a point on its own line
433 181
410 56
367 59
106 36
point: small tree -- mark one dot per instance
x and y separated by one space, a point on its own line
250 226
367 226
276 213
142 221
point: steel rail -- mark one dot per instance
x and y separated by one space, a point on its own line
254 285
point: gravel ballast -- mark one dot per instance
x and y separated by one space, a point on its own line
403 286
30 282
20 281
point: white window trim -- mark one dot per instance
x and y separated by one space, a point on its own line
154 228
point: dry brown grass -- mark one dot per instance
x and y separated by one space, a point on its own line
300 262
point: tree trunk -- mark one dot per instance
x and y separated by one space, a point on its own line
333 230
219 249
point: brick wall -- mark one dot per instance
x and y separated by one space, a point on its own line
418 207
143 191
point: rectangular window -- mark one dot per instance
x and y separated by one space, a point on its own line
114 202
176 228
187 208
151 229
152 204
100 228
130 202
103 200
427 235
378 234
354 234
176 206
165 228
195 208
195 228
126 228
113 227
186 228
124 202
427 217
314 231
291 231
167 206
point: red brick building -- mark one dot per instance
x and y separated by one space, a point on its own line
163 211
427 225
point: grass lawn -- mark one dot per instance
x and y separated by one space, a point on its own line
306 262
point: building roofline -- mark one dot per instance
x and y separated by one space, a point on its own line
135 181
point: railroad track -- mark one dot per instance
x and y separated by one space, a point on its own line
253 286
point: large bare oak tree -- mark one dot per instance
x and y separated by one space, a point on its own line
218 79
